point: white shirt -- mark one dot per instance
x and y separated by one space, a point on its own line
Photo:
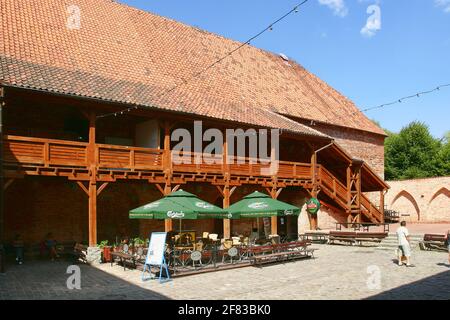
402 233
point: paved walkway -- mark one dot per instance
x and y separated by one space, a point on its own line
338 272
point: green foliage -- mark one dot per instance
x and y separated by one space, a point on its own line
138 241
103 244
415 153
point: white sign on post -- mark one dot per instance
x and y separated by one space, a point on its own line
155 254
156 247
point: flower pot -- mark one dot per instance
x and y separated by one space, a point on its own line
107 254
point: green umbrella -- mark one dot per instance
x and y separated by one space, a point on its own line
260 205
180 205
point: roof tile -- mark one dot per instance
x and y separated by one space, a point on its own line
127 55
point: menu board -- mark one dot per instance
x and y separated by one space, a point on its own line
156 248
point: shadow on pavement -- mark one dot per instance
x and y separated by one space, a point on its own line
436 287
48 280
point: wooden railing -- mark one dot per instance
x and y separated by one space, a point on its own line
133 158
338 191
44 152
49 153
332 185
206 163
373 212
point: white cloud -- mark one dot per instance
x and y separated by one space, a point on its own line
373 23
445 4
338 6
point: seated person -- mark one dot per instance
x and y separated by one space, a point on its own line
50 246
254 235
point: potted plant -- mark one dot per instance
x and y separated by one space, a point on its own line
138 243
106 250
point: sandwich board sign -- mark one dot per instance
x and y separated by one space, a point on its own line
155 255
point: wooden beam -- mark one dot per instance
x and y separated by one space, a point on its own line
83 187
232 190
220 190
92 214
274 220
176 188
158 186
102 187
382 204
278 192
226 204
8 183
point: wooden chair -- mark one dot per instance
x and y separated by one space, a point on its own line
213 236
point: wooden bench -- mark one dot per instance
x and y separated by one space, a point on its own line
125 259
370 237
343 236
433 242
315 237
75 252
355 238
282 252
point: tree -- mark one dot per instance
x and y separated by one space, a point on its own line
443 158
414 153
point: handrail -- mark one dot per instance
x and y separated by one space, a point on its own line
44 140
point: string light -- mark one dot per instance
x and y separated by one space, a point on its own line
416 95
212 65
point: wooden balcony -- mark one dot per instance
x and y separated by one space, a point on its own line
79 161
36 156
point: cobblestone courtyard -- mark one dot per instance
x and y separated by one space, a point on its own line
338 272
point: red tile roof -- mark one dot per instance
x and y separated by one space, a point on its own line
127 55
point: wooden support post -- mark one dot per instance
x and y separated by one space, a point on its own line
315 191
167 166
93 182
226 193
226 204
349 187
92 214
382 204
274 193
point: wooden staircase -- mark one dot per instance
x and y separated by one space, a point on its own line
353 202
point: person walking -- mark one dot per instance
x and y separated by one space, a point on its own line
447 243
404 246
18 246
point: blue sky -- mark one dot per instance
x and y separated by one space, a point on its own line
409 51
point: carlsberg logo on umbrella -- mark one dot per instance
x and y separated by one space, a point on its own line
288 212
204 205
258 205
175 215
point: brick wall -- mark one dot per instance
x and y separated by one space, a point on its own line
421 200
360 144
35 206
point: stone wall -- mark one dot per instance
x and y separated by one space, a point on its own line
420 200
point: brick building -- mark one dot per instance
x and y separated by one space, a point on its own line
71 170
